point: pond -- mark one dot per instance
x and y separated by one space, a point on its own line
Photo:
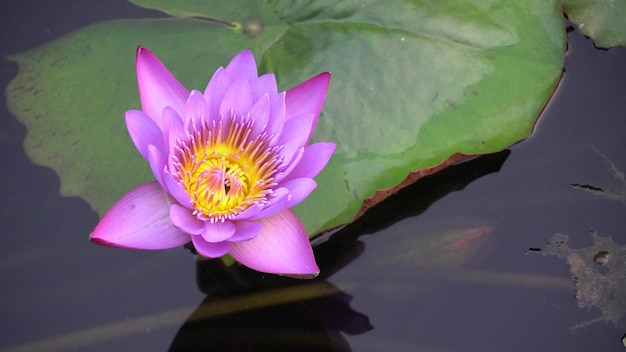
444 265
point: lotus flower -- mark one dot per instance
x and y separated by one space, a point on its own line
229 163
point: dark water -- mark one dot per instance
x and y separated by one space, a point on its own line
59 292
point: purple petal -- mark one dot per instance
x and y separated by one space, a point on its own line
249 213
176 190
282 247
277 115
183 219
260 112
245 230
196 111
237 100
243 66
308 98
158 88
208 249
292 165
313 160
295 135
215 90
173 127
156 160
276 204
265 84
140 219
299 189
143 131
218 231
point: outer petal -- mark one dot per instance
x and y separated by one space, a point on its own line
315 157
144 132
308 97
158 88
140 220
282 247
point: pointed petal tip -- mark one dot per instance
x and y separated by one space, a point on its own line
309 276
100 241
282 247
140 220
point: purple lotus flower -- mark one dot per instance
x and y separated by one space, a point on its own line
229 164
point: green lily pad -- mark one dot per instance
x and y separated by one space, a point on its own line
415 84
604 21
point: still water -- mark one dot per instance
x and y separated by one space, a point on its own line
441 266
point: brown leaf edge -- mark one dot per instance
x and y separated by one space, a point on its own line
411 178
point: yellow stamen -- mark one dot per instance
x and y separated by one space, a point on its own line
224 169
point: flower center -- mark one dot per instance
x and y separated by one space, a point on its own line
225 169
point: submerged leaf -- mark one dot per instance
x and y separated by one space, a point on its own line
599 273
600 192
416 84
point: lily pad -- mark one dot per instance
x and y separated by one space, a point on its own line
604 21
415 84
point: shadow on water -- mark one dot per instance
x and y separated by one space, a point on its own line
245 311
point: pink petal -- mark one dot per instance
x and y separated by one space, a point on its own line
143 131
308 98
183 219
282 247
209 249
313 160
158 88
218 231
140 220
243 66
